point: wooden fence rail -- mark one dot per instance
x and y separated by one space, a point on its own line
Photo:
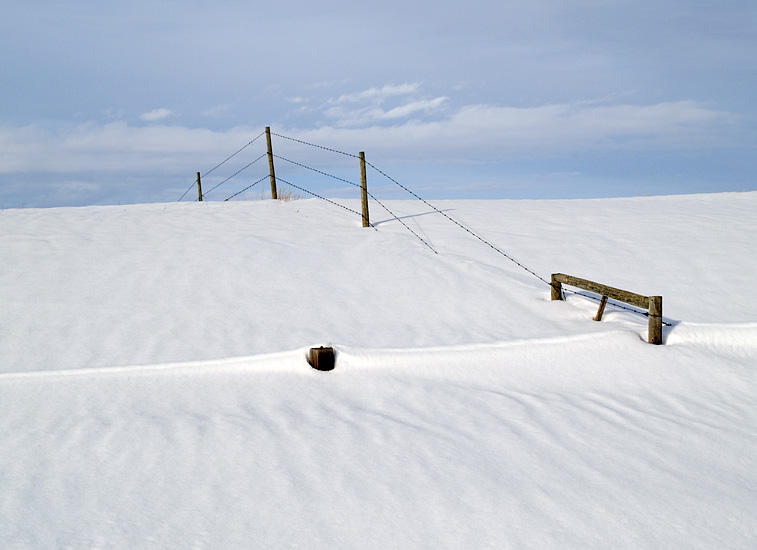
651 303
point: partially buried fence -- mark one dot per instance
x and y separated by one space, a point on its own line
652 303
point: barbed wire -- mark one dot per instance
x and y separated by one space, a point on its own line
405 188
460 225
278 178
610 303
498 250
613 304
392 214
224 161
316 170
245 167
315 145
246 188
231 156
184 194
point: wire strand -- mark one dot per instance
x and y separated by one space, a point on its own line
460 225
224 161
245 167
315 145
614 304
184 194
434 208
392 214
496 249
231 156
316 170
319 196
246 188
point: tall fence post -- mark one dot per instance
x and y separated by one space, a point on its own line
271 171
654 330
199 188
364 190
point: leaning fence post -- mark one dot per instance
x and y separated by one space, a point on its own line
199 188
364 190
601 310
654 329
271 171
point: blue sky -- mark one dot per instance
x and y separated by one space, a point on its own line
107 103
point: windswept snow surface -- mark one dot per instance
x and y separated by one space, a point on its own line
154 391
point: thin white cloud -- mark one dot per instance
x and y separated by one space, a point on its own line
156 114
486 131
385 103
414 107
366 115
474 132
115 147
378 95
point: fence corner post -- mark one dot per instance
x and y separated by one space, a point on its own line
364 190
654 335
199 188
556 288
271 171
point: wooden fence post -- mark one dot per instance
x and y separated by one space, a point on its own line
322 358
271 171
199 188
654 330
364 190
556 288
601 310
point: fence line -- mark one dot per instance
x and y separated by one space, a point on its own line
652 303
316 195
437 210
242 169
612 304
224 161
231 156
184 194
315 145
245 189
457 223
392 214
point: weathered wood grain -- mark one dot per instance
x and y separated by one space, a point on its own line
364 190
654 331
271 171
611 292
322 358
601 310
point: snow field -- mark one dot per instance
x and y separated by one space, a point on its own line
141 405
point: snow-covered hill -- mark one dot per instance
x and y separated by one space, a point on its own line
154 391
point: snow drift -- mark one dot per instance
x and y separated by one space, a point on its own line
154 391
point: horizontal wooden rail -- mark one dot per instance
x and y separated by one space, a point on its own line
651 303
603 290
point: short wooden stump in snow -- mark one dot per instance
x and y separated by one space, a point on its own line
321 358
